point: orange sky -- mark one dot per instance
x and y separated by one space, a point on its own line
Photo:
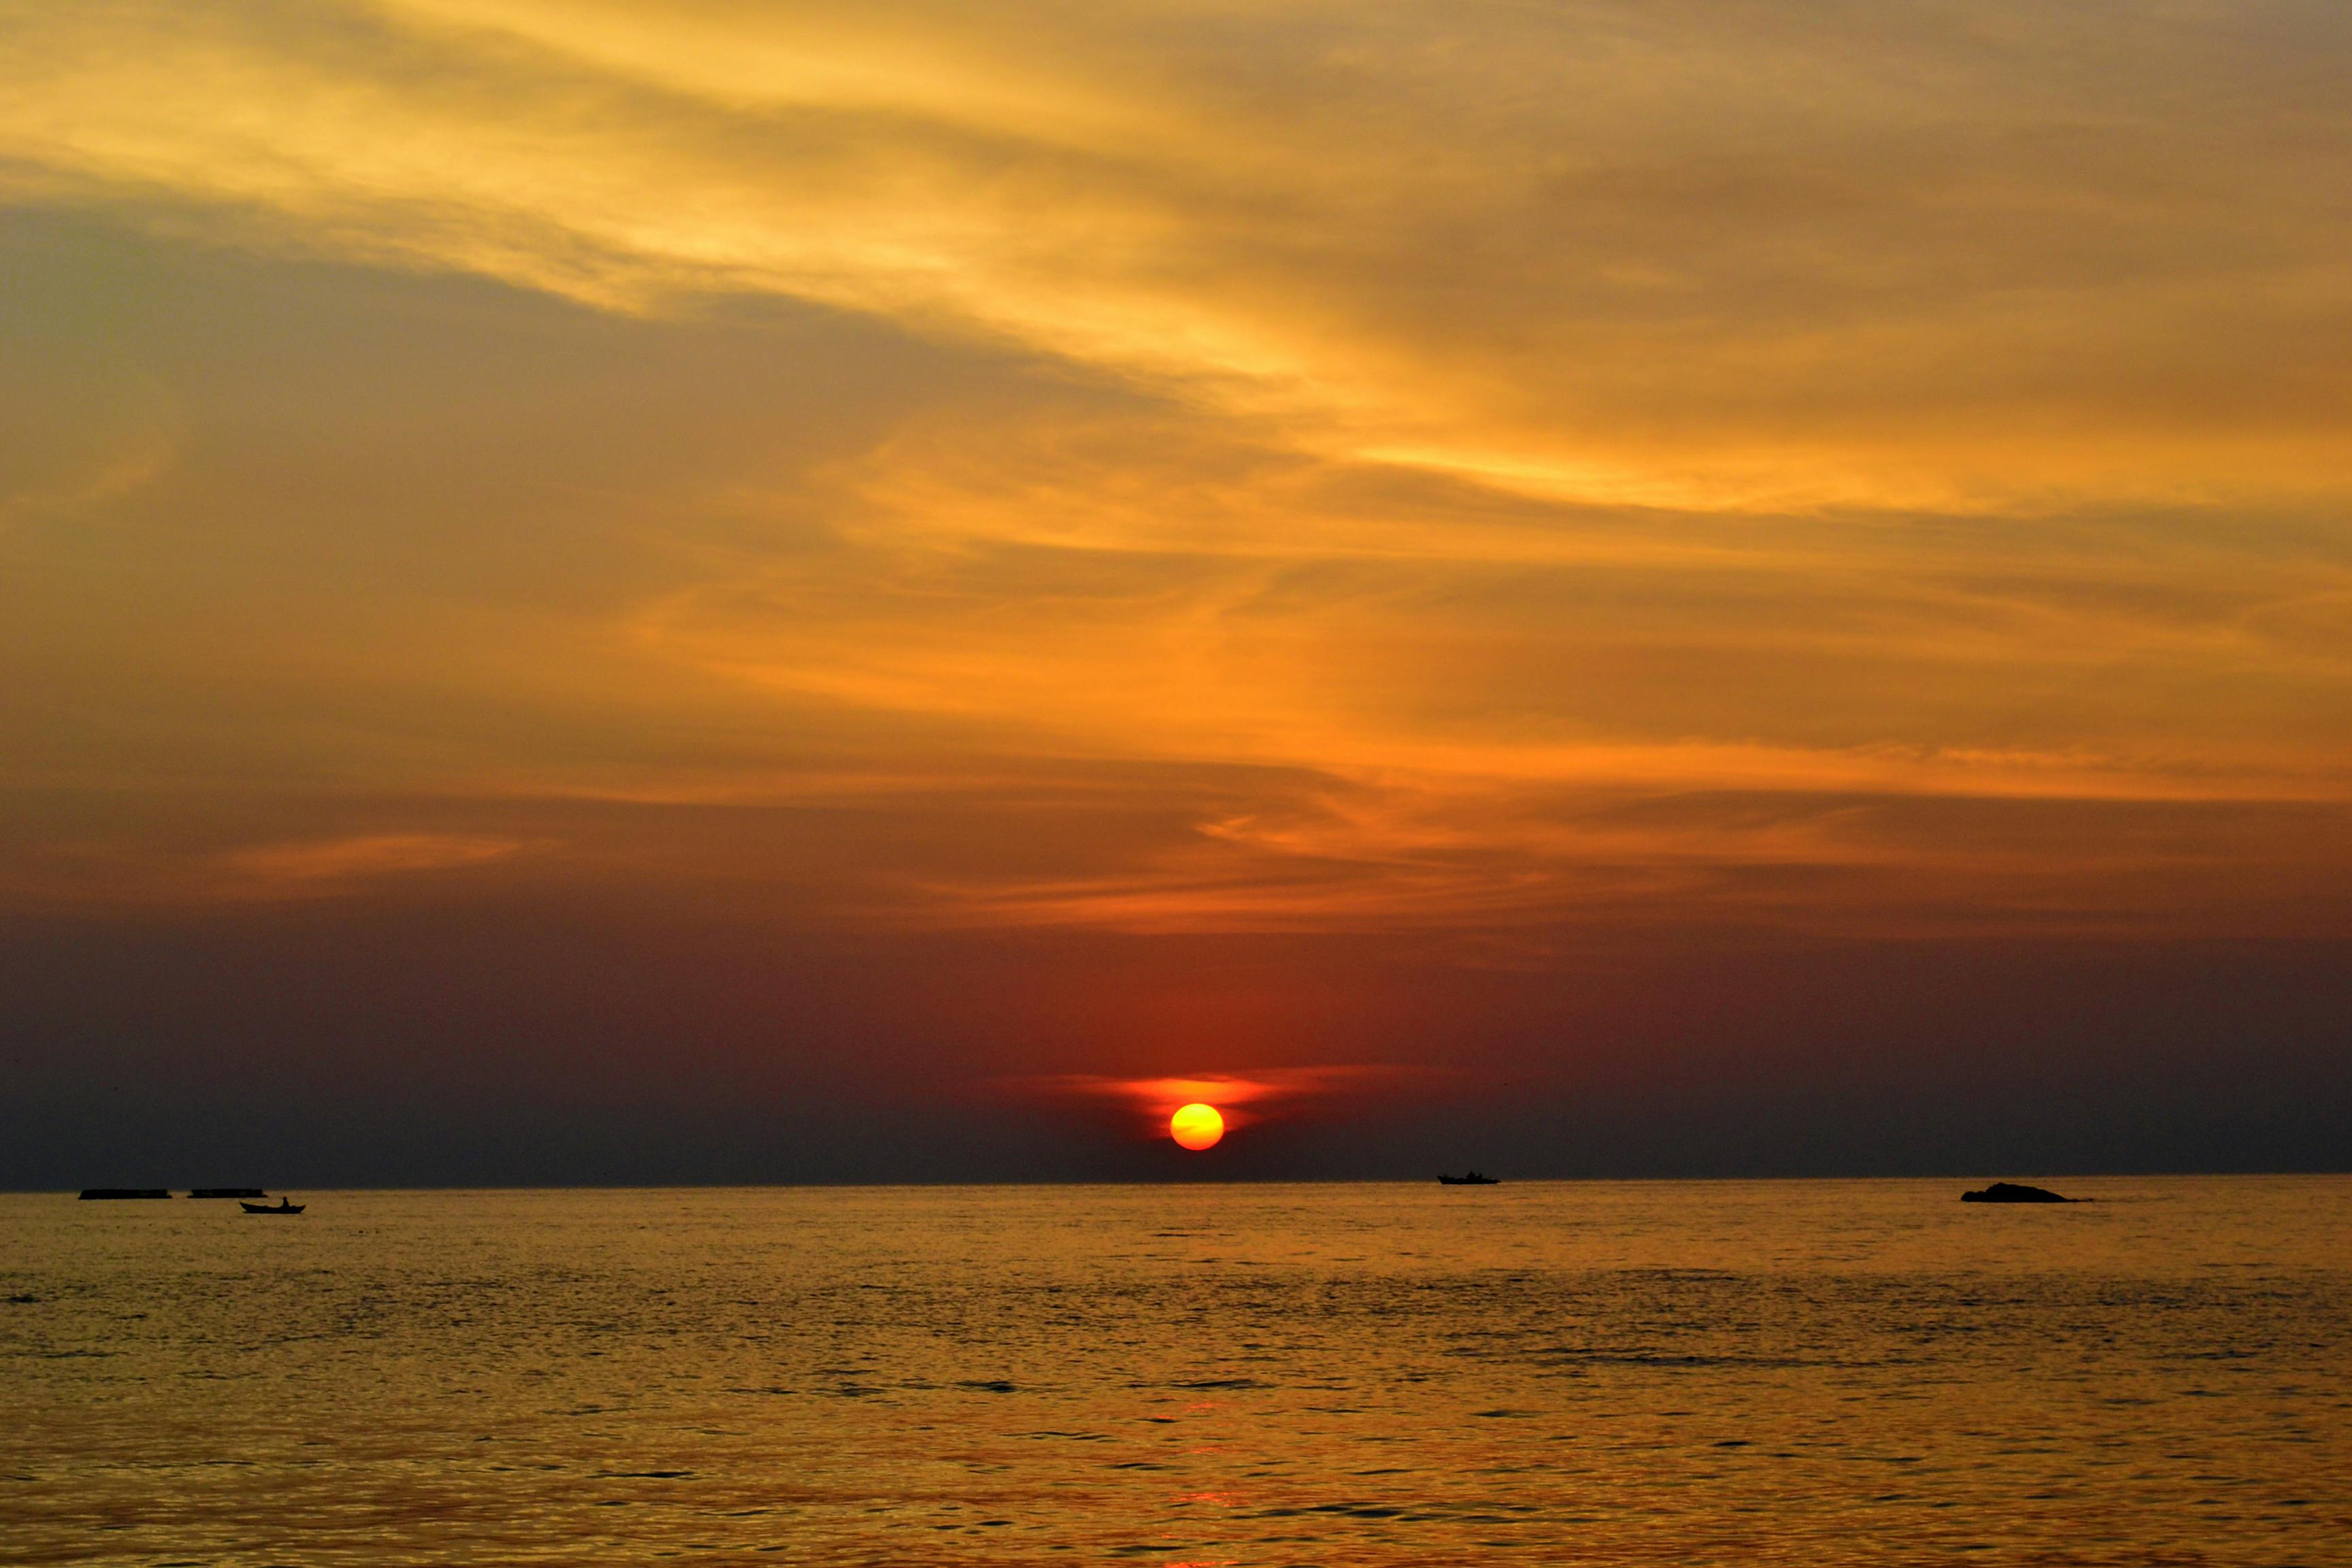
1488 484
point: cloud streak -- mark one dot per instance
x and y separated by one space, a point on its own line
321 865
1254 1094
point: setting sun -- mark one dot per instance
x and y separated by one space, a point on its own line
1196 1126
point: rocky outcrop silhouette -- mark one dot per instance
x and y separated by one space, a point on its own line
2014 1193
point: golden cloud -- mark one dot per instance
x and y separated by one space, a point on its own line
1370 465
1712 256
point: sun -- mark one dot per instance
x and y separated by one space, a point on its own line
1196 1126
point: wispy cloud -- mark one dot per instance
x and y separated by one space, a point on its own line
1257 1094
166 869
309 864
1437 858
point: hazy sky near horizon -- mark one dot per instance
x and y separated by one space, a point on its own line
1470 555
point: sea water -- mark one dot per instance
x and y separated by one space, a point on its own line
1570 1372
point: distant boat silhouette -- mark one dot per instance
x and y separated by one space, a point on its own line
124 1193
283 1205
1471 1179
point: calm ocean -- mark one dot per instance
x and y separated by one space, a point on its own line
1571 1373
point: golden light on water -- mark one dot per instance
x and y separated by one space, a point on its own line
1197 1126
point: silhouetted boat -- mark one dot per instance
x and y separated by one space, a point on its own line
1471 1179
283 1205
124 1193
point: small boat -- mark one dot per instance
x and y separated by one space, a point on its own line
283 1205
1471 1179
